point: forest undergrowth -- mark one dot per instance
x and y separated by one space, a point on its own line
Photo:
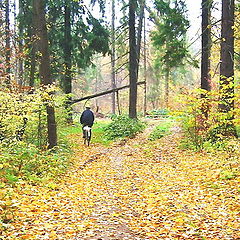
133 189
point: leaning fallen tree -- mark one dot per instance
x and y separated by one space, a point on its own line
102 93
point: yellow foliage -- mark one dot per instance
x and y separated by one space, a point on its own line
173 194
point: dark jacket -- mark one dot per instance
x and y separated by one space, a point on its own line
87 118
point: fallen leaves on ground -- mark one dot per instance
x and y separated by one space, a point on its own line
139 190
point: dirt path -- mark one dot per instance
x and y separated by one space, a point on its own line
84 205
111 214
133 190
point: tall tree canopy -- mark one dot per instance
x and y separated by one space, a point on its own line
73 34
169 38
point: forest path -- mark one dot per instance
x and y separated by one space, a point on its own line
111 214
134 190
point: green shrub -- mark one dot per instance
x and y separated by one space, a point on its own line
158 112
123 126
99 133
160 131
23 160
228 175
238 130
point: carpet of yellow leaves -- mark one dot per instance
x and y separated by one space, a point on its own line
136 190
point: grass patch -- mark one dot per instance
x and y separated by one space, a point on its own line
161 130
27 162
228 175
98 132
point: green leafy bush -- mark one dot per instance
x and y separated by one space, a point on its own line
99 132
23 135
160 131
26 161
158 113
123 126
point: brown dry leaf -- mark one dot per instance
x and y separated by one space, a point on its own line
140 190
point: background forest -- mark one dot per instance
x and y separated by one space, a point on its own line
135 58
118 57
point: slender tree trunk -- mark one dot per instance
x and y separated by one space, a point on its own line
67 59
145 69
132 61
1 15
139 31
206 45
166 100
20 43
96 90
33 64
205 58
227 57
32 32
45 73
118 103
2 20
113 58
102 93
8 39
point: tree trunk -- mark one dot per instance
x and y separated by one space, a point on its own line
226 105
227 57
33 64
113 58
8 48
145 69
166 100
118 103
102 93
67 59
205 58
206 45
20 43
139 31
33 53
45 74
133 63
96 89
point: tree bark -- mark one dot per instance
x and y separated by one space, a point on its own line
67 58
103 93
226 105
145 69
139 31
206 45
133 63
33 54
227 57
45 73
113 58
8 48
33 64
20 42
166 100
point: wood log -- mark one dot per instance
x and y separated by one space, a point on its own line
102 93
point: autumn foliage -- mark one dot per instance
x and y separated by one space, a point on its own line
137 189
